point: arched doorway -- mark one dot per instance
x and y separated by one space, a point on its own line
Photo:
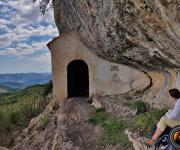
78 79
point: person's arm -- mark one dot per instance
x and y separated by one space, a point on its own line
174 114
169 111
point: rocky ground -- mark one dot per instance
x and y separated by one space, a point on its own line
115 105
67 128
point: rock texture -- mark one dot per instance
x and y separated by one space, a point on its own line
138 142
141 33
3 148
68 127
114 104
144 34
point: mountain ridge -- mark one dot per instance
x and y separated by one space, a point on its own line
18 81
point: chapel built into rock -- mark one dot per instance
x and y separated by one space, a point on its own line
78 72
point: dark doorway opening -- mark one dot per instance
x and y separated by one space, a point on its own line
78 79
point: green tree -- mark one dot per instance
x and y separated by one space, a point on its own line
43 5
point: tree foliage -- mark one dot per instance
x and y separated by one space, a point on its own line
43 5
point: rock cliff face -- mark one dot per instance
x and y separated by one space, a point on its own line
141 33
144 34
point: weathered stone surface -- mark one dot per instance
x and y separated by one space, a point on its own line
138 142
3 148
114 104
144 34
158 94
67 129
141 33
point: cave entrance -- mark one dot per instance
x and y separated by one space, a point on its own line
78 79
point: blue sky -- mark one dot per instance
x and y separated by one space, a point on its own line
24 33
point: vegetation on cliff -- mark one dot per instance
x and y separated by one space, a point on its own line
146 117
113 129
17 109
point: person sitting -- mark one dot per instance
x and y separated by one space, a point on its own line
171 118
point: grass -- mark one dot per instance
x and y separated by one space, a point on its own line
113 129
146 118
44 120
135 102
146 121
138 105
17 109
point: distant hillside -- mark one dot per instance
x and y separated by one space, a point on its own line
6 89
11 82
17 109
26 78
13 85
3 90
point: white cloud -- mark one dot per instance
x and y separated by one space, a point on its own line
28 13
23 34
21 29
20 51
5 40
4 21
27 21
4 28
43 58
40 45
23 50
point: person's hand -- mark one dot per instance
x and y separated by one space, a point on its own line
170 110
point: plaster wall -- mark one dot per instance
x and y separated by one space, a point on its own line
105 78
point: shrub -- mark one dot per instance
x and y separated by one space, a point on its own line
137 105
100 110
145 122
44 120
17 109
14 117
5 124
48 88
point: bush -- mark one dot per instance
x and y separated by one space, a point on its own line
44 120
5 124
48 88
100 110
145 122
18 108
14 117
137 105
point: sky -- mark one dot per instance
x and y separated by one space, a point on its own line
24 34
